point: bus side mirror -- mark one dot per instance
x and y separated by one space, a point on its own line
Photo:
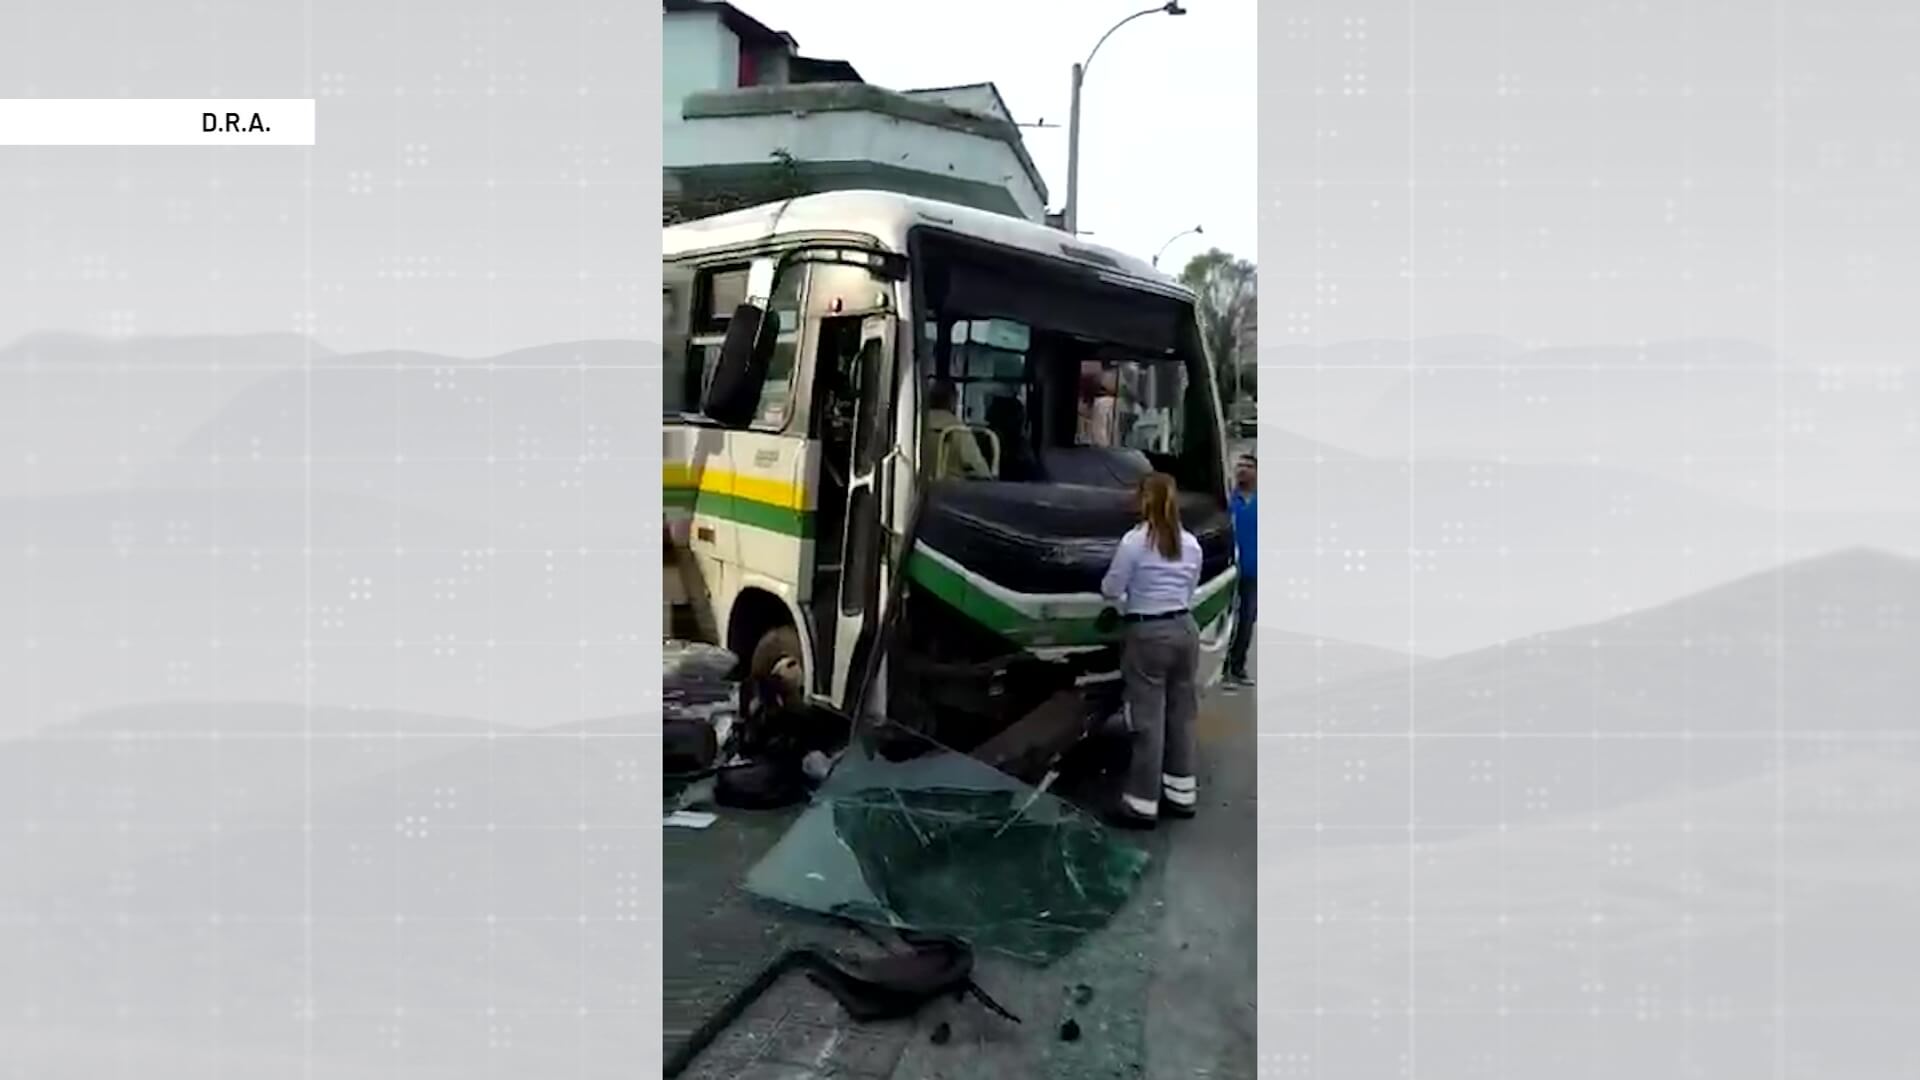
733 394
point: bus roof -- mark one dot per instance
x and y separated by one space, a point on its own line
887 217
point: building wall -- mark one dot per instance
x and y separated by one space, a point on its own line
697 53
701 55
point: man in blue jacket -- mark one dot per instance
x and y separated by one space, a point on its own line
1246 521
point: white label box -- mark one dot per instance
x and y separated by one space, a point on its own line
156 122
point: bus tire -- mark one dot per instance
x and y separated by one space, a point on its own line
778 653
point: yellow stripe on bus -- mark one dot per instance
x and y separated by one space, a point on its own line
720 482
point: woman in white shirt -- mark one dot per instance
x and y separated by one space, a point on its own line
1152 581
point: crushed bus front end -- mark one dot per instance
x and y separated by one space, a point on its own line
1077 381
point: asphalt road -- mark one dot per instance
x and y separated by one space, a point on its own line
1201 1003
1166 990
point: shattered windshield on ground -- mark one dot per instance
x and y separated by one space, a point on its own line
908 834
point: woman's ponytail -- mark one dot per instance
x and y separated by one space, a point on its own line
1160 507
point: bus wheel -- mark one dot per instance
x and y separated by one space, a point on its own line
778 654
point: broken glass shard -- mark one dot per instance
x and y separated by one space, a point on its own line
939 842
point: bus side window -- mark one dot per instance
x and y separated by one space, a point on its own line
711 297
776 394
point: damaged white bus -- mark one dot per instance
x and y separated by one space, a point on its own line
827 357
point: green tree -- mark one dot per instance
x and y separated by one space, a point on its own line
1228 292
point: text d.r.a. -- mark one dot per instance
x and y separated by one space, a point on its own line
212 122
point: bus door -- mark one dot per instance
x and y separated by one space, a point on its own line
864 548
848 290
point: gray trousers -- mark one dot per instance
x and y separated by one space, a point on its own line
1158 664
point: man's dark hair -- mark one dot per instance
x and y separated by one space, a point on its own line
1249 459
941 396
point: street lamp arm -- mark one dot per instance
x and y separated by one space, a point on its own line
1088 62
1195 231
1071 214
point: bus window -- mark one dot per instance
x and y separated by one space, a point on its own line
1136 404
726 290
721 290
870 431
988 362
776 394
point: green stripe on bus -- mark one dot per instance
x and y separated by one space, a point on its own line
1212 607
977 604
742 511
1017 626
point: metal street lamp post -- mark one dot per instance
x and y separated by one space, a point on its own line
1195 231
1071 213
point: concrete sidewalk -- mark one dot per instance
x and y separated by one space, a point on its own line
1166 990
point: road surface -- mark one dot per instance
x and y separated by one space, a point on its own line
1171 980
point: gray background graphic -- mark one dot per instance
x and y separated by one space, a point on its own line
325 630
1589 437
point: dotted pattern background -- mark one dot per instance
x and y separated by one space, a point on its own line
326 616
1588 428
